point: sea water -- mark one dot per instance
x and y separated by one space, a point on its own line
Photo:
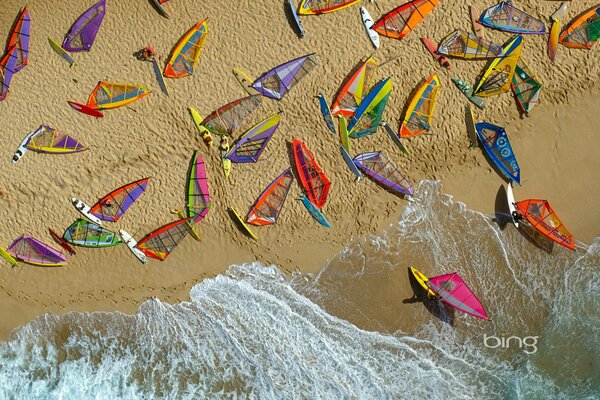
354 330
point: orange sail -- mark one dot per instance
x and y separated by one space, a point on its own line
354 89
162 241
543 218
401 21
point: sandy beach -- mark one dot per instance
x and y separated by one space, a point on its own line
556 145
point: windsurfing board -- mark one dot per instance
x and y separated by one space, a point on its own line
22 148
395 138
560 12
477 27
350 163
160 8
510 197
131 243
82 108
326 113
432 47
61 52
159 77
226 162
190 226
245 227
205 133
553 39
471 130
368 23
84 209
8 257
314 211
62 242
296 19
245 81
343 131
422 279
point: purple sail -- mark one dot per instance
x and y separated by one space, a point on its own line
83 31
278 81
7 69
253 143
33 251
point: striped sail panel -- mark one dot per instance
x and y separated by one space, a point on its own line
19 38
314 181
505 17
583 30
496 144
378 167
83 32
186 53
228 117
267 207
162 241
402 20
113 95
454 292
198 197
460 44
254 142
87 234
279 80
420 110
354 88
112 206
498 76
526 86
50 140
543 218
33 251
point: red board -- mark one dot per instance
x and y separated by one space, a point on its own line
62 242
82 108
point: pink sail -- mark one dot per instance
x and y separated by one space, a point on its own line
456 293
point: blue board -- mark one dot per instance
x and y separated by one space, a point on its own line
326 113
395 138
296 19
314 211
350 163
496 144
159 77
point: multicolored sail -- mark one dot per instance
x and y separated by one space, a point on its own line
505 17
228 117
377 166
583 31
28 249
461 44
309 7
186 53
496 144
198 197
50 140
369 113
19 38
354 88
267 207
526 86
7 70
420 110
278 81
313 179
83 32
113 95
254 142
112 206
162 241
543 218
498 76
87 234
454 292
402 20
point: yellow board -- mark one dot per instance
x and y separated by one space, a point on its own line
61 52
191 229
224 148
206 136
245 81
242 223
553 39
8 257
343 130
422 279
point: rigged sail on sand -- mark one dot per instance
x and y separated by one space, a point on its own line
186 53
354 89
83 32
420 109
498 76
228 117
162 241
267 207
402 20
276 82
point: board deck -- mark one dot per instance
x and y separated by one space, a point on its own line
470 122
296 19
8 257
422 279
510 198
343 131
395 138
62 242
350 163
432 47
159 77
245 81
205 133
22 148
368 24
131 244
84 209
326 113
314 211
61 52
224 148
477 27
245 227
82 108
160 9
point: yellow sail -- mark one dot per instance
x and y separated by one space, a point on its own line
420 110
499 74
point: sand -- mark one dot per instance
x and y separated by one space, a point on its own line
156 137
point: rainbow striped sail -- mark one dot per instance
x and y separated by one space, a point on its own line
112 95
420 109
499 74
186 53
354 89
83 32
503 16
369 113
28 249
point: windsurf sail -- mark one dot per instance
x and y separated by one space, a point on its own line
28 249
308 7
354 88
228 117
83 32
113 95
254 142
267 207
377 166
505 17
19 38
526 86
369 113
87 234
162 241
496 144
420 110
198 197
498 76
543 218
278 81
583 31
313 179
7 70
454 292
461 44
112 206
50 140
402 20
186 53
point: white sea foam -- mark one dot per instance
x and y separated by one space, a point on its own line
251 333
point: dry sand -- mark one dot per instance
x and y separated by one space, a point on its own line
555 146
